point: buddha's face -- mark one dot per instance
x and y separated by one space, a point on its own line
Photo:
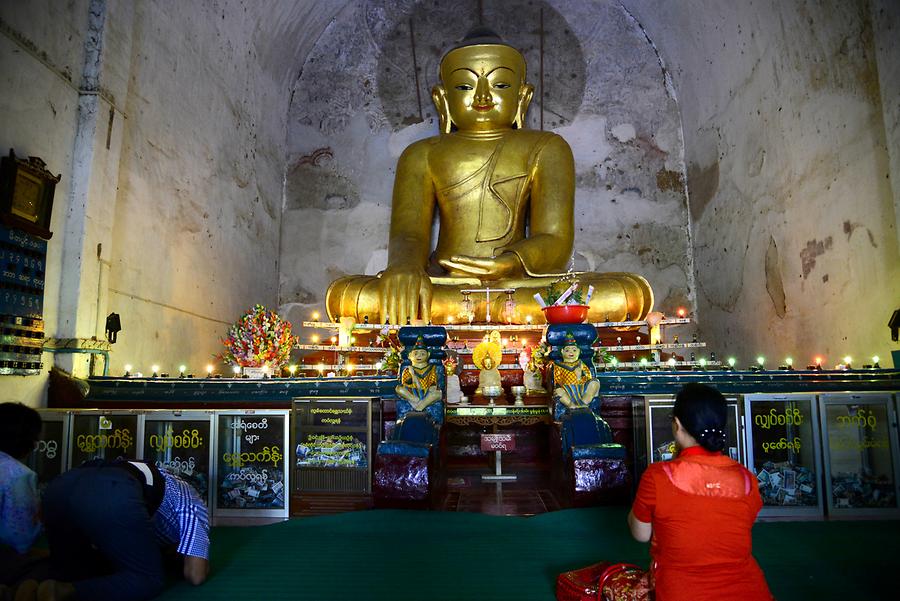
488 362
484 86
418 357
570 353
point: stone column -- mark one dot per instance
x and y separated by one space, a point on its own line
87 233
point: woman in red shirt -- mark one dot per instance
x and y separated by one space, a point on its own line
697 510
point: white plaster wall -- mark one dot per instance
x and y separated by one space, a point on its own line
183 191
40 63
355 109
196 225
886 23
794 224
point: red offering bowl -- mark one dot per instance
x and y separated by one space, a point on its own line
565 313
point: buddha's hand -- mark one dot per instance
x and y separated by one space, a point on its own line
505 266
405 294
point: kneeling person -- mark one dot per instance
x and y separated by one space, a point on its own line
119 514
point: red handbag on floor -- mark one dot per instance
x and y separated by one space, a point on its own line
605 581
580 585
625 582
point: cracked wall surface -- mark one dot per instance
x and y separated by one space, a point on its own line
605 92
179 163
786 142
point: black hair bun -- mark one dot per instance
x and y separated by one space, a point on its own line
712 439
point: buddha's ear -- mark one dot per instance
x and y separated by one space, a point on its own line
439 97
525 94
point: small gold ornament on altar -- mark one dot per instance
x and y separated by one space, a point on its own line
454 391
486 357
510 311
531 362
467 309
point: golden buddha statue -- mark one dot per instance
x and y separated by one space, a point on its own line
505 198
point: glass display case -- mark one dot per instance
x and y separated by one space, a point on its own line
860 442
653 431
783 451
250 474
180 442
104 435
50 457
333 443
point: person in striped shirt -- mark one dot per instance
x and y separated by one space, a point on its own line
119 515
20 525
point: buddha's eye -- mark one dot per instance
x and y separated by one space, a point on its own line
501 85
464 87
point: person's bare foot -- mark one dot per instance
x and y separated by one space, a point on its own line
51 590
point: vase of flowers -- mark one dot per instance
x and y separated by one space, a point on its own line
260 340
390 361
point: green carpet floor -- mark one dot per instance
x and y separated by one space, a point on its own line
413 555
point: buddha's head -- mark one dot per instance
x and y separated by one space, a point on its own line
482 85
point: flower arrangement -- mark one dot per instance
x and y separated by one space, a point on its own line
260 337
392 357
537 356
450 363
560 287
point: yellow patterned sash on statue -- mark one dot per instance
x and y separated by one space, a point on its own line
424 378
564 375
